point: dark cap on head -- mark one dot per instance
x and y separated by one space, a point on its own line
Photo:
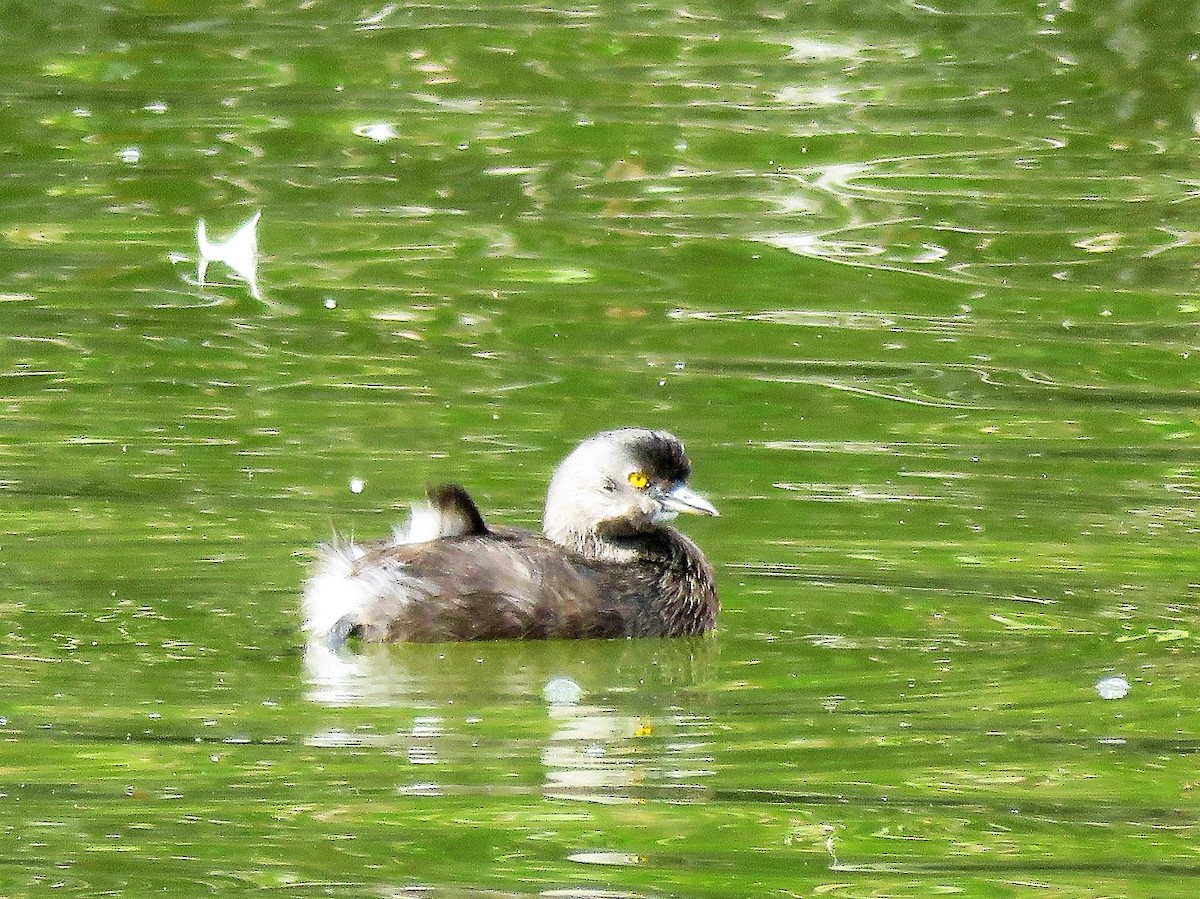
662 456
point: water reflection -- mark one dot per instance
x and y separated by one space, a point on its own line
622 719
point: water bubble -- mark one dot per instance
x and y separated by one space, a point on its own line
376 131
562 691
1115 687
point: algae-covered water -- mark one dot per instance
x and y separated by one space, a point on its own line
916 284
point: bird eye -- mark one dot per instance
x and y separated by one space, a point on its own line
639 480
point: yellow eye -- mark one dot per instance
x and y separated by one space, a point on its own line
639 480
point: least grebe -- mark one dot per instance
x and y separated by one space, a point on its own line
608 564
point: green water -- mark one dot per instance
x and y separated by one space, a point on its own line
917 284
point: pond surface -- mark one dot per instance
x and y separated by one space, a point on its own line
916 284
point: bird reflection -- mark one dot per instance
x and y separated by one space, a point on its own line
624 719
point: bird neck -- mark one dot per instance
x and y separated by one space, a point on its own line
598 547
687 593
683 593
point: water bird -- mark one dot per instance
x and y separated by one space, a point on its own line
608 563
239 251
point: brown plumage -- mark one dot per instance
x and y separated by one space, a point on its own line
608 565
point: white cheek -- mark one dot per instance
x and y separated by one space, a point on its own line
662 516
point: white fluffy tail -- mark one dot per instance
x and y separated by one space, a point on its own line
335 595
344 590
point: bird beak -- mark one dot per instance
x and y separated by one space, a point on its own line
681 499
